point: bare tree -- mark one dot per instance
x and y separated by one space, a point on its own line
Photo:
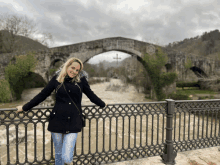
15 25
19 25
45 38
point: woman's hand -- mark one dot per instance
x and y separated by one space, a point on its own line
19 109
105 105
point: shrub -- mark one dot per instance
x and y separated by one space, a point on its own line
154 64
178 96
14 73
187 84
5 93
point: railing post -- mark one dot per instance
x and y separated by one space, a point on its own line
169 155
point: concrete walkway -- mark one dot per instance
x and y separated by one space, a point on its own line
206 156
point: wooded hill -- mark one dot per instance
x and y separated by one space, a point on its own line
207 45
21 43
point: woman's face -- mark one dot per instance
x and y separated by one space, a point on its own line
73 69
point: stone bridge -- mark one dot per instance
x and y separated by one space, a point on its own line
201 66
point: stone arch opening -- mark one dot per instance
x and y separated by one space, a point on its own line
148 83
169 67
56 62
166 68
33 80
123 58
199 72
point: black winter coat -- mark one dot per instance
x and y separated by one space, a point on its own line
65 118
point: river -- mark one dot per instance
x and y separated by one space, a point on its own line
98 89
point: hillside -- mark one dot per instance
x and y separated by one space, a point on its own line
21 43
207 45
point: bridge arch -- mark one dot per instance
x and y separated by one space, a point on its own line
55 62
199 72
33 80
92 56
87 50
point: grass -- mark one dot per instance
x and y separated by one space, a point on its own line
193 90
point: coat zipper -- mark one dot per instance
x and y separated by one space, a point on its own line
78 86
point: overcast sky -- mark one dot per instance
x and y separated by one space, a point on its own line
155 21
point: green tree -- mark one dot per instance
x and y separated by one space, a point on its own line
5 94
153 64
14 73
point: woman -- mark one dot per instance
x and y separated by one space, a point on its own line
65 119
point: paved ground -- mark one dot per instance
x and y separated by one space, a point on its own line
207 156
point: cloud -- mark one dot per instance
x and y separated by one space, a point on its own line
74 21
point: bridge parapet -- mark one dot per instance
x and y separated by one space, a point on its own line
124 125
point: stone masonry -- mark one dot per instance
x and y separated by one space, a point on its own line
86 50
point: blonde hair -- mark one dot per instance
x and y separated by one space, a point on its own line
64 67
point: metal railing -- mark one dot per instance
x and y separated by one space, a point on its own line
119 132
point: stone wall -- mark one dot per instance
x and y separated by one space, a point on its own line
190 76
207 83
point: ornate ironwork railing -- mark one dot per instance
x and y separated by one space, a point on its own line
117 133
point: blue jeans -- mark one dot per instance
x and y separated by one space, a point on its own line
64 147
